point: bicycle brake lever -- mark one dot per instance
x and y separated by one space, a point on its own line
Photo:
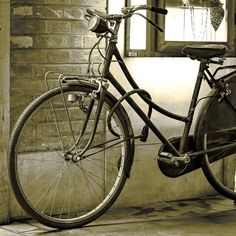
127 10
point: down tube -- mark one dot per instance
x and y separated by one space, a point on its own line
142 115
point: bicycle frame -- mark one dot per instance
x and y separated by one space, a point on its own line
112 50
187 120
203 73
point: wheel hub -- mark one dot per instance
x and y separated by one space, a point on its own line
72 156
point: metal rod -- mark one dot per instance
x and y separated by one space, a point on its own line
142 115
145 98
96 119
184 139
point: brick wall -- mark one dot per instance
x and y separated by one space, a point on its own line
46 35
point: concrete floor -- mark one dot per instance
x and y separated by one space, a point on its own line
199 217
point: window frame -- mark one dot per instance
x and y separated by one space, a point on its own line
156 46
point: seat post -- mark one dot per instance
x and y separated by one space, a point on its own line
184 140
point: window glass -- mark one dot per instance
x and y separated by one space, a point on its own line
138 28
187 21
196 20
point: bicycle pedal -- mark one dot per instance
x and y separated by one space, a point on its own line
170 159
167 158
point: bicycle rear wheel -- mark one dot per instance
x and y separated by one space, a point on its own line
48 180
217 136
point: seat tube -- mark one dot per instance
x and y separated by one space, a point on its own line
184 139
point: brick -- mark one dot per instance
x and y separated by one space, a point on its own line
28 56
94 3
49 129
59 12
58 56
58 27
27 26
80 27
15 113
20 100
79 55
23 11
58 41
21 42
42 2
89 41
83 56
47 114
21 71
76 41
28 86
40 70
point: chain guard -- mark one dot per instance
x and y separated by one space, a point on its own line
174 171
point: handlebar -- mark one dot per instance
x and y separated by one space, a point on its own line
132 9
98 20
127 12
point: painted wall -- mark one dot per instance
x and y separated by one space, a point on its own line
170 81
4 107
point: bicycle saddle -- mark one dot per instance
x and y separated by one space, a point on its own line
204 51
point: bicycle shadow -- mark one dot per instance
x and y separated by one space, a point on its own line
190 218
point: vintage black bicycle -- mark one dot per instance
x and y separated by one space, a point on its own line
72 148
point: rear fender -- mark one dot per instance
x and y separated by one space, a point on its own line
200 120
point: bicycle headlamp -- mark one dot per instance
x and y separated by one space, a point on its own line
97 24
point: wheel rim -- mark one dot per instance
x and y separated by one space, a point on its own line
216 134
221 163
60 190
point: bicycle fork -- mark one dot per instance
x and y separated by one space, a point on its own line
101 91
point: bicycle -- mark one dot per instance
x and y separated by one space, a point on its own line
77 139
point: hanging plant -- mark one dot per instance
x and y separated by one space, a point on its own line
217 16
216 10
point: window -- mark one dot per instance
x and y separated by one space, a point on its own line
196 23
187 22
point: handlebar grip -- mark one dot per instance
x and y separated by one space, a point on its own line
159 10
90 12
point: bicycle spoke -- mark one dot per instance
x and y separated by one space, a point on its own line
52 183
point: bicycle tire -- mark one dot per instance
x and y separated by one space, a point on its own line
40 173
217 129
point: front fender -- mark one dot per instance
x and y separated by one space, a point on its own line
121 110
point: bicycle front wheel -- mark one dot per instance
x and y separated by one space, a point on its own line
50 180
217 137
